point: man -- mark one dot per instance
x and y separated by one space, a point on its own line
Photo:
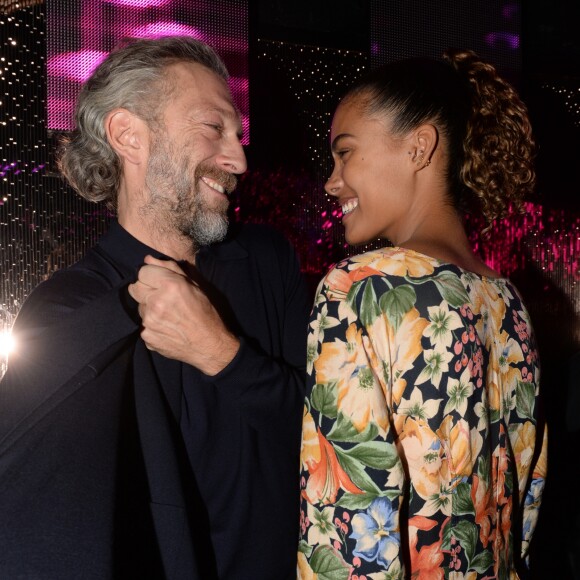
150 420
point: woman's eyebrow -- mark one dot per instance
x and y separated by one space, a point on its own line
335 141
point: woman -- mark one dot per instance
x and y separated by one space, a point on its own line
422 452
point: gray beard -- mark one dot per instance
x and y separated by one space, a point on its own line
188 213
205 225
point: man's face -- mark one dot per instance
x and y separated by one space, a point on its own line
194 156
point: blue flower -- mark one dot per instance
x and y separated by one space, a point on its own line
377 532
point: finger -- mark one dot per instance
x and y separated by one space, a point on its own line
139 291
167 264
153 276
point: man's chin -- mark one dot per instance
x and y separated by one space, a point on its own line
208 231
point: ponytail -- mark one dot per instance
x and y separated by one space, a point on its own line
498 147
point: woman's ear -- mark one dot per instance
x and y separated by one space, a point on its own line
127 135
424 144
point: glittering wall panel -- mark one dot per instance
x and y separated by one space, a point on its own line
314 78
401 29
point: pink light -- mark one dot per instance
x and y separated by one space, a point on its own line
494 39
155 29
139 3
76 66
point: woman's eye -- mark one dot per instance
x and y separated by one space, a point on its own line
342 152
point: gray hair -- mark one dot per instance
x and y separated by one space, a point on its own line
131 77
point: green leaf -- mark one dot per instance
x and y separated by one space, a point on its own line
483 470
451 288
324 398
482 562
329 564
305 548
391 494
352 296
356 472
397 302
525 400
446 538
369 309
344 430
493 415
375 454
463 504
356 501
467 534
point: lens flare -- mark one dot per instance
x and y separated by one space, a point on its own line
7 343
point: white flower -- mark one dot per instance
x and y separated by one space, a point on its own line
322 530
311 351
322 322
415 407
436 363
442 323
459 391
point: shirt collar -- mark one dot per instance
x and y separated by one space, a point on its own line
129 252
126 250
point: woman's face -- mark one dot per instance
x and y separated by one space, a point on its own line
373 177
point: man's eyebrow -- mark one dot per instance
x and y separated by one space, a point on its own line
335 141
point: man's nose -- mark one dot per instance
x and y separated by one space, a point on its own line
233 158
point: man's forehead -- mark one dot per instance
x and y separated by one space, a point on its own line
203 89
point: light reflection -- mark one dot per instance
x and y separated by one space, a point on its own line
7 343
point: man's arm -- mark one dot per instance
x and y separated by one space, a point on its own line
269 390
55 339
178 319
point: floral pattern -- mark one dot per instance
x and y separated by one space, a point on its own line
420 431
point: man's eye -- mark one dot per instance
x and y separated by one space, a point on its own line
218 128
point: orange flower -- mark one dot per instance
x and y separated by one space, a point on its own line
400 347
397 261
338 283
310 448
426 562
462 445
485 509
364 272
326 476
422 449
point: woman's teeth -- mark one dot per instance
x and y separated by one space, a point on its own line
349 205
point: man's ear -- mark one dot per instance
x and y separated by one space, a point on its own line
127 135
424 141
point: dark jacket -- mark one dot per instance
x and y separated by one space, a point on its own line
118 463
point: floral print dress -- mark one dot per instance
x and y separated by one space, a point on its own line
422 454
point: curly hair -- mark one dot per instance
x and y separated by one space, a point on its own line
499 148
490 149
133 76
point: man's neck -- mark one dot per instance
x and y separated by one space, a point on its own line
170 243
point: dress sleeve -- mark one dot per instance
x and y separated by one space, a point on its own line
534 493
435 393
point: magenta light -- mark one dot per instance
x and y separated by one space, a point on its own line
139 3
76 66
156 29
508 38
510 11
